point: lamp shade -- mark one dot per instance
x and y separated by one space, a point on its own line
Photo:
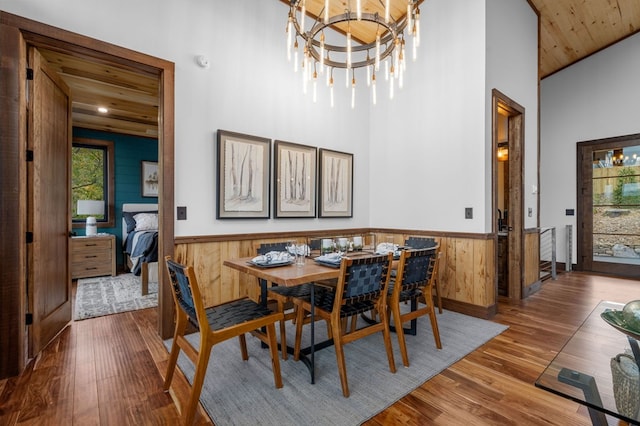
90 207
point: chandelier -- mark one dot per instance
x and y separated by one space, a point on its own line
387 51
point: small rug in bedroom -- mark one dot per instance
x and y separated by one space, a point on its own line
99 296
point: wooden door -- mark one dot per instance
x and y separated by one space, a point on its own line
48 210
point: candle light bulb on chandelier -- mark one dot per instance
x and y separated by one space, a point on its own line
386 12
378 51
315 86
295 56
331 91
289 37
326 12
358 10
374 96
353 93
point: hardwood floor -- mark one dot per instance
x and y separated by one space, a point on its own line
108 371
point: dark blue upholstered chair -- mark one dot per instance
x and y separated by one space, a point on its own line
423 243
414 283
216 324
361 287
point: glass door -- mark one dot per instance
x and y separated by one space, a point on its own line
609 235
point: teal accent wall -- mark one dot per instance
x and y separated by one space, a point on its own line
129 153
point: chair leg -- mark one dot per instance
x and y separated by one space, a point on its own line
387 341
181 325
342 368
397 321
434 327
275 361
437 286
299 324
243 346
198 380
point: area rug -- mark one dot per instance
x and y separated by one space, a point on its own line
96 297
236 392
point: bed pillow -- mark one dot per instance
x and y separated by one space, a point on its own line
146 221
130 220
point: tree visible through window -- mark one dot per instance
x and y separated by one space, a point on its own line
90 172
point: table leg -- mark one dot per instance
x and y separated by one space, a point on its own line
591 395
313 334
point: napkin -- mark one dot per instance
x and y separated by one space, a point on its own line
272 257
331 257
384 248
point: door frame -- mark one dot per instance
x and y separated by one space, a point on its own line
584 204
22 32
515 223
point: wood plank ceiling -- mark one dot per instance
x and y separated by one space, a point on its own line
570 30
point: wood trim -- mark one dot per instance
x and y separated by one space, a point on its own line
325 232
13 175
584 214
43 35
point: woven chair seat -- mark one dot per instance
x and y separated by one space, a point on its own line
235 312
296 291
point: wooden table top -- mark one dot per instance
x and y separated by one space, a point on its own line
289 275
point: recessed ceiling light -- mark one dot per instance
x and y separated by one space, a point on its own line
103 110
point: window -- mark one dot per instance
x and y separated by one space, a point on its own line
92 178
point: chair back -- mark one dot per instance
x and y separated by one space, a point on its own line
420 242
363 280
267 247
416 270
186 293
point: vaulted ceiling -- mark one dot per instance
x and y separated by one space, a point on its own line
570 30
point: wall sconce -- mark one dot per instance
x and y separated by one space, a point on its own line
92 208
503 151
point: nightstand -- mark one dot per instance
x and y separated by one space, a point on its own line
93 256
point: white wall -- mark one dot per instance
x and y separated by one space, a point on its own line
594 98
512 68
433 135
427 144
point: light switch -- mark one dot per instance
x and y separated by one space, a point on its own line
468 212
182 212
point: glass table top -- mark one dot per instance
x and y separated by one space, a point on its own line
582 370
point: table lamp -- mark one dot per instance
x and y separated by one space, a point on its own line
91 208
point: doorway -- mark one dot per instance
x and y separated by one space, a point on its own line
507 201
608 218
21 33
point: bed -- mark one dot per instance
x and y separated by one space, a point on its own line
140 241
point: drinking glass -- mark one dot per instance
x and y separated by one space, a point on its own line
327 245
343 244
357 243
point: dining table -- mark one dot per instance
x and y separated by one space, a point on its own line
289 275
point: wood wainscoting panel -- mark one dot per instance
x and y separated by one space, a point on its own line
466 275
531 259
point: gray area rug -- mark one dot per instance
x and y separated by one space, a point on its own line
236 392
96 297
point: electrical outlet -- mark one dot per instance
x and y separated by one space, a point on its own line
468 212
182 212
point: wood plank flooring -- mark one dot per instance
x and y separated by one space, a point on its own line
109 370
